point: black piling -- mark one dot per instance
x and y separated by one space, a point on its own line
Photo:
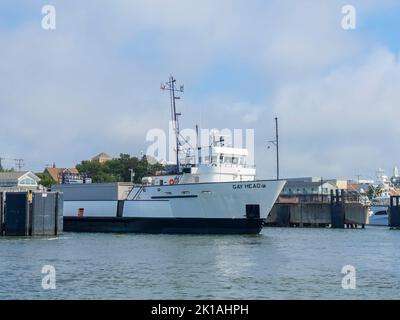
59 207
283 216
1 213
16 214
394 212
337 210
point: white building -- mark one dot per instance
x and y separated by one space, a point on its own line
313 185
308 188
25 180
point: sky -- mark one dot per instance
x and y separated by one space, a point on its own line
93 83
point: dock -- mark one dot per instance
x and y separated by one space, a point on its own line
394 212
31 213
339 210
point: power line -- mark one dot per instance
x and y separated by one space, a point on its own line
276 144
19 163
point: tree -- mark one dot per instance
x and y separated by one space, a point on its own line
45 179
96 171
118 169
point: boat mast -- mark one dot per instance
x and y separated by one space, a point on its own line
171 87
198 145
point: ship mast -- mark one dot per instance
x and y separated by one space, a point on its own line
171 87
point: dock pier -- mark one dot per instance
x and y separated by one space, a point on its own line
339 210
31 213
394 212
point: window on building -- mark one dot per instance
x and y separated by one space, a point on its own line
28 182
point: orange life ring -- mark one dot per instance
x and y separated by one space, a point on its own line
171 181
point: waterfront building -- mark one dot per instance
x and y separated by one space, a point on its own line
66 175
297 186
19 180
102 157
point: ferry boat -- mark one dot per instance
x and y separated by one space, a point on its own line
216 195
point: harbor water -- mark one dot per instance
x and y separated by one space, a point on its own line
290 263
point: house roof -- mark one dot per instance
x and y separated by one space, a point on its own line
102 155
56 172
305 184
353 186
15 175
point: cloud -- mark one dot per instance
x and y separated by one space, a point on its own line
93 84
345 122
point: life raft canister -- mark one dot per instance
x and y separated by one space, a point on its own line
171 181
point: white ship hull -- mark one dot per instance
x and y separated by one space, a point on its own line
223 207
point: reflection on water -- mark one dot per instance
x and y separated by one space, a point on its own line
277 264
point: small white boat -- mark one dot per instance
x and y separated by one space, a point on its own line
379 210
379 216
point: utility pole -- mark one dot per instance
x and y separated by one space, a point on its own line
132 174
171 87
276 144
19 163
